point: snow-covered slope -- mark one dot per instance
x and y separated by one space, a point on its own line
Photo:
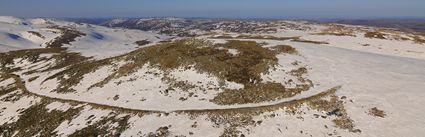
93 40
301 79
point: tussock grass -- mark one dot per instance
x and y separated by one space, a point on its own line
337 30
284 49
255 93
375 34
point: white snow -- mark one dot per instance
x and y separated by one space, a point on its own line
58 106
180 125
10 20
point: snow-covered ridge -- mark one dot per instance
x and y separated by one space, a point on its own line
97 41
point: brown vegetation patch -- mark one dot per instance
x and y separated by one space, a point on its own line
6 89
335 107
143 42
255 93
37 34
261 37
375 34
299 72
37 121
265 37
75 73
284 49
33 78
377 112
68 36
337 30
418 39
60 57
75 63
104 127
244 68
160 132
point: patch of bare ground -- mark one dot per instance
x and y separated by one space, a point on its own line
36 34
309 41
377 112
337 30
68 35
143 42
335 107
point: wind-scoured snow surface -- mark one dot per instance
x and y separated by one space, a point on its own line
326 80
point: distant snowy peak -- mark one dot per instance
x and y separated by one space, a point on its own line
37 21
19 21
148 24
11 20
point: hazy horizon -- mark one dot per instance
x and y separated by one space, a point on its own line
273 9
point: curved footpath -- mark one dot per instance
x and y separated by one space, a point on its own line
253 107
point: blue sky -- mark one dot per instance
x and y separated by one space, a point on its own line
215 8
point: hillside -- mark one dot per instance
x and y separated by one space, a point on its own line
227 78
